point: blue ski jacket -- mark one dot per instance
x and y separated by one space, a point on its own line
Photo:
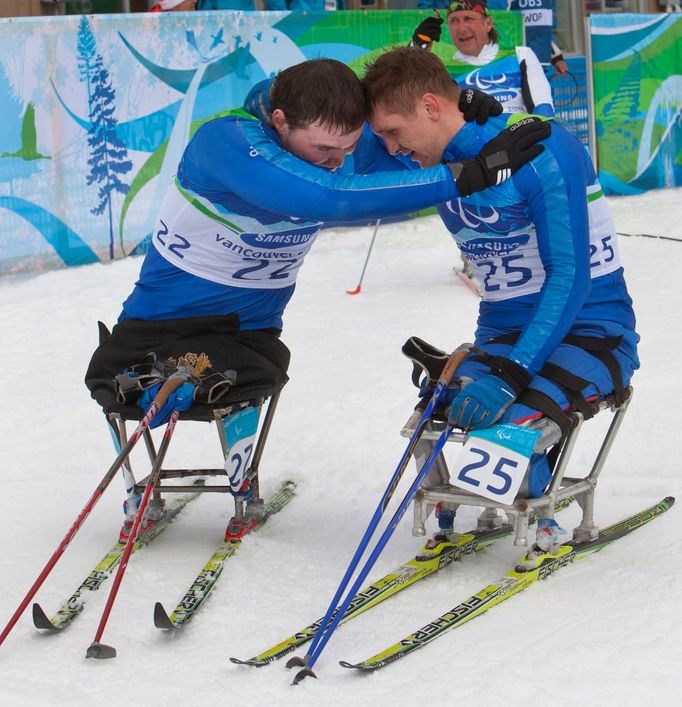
242 213
544 247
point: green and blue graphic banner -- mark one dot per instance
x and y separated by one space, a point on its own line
637 72
96 111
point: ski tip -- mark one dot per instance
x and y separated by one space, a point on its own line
41 619
100 651
346 664
302 675
362 667
296 662
252 662
161 618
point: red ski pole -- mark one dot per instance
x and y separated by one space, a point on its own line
159 400
357 290
101 650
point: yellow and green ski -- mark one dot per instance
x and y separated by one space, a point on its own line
512 583
73 606
211 571
427 562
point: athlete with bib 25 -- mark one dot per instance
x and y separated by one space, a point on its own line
556 325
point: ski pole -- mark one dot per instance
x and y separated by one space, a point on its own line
101 488
96 648
446 376
356 291
325 635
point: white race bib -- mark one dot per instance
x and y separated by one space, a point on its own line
494 461
240 433
230 248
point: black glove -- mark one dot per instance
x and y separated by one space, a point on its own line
427 31
501 156
478 106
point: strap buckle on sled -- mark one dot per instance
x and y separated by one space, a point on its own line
138 378
209 386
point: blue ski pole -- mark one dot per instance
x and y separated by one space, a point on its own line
443 381
381 543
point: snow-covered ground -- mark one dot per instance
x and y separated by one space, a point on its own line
603 632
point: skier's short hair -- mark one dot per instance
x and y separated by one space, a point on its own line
400 77
323 90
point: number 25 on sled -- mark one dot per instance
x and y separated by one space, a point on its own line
493 461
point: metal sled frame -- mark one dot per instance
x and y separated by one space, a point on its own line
560 487
251 507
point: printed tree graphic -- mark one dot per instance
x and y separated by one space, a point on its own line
108 155
87 52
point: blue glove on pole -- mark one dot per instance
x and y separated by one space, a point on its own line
481 403
180 399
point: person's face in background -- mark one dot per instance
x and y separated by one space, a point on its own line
469 31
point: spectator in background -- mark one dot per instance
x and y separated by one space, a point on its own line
515 77
174 6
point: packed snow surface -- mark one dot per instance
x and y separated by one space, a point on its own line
605 631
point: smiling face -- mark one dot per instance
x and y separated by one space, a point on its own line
315 143
419 134
469 31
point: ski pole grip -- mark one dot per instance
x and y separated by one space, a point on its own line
456 357
174 382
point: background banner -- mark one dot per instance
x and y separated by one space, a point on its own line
96 111
637 73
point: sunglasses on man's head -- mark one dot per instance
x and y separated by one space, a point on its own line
470 6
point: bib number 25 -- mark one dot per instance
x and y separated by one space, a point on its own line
493 462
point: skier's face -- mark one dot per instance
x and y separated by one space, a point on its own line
469 31
315 143
419 135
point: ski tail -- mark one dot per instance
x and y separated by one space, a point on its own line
209 574
101 572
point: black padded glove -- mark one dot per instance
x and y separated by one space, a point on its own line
478 106
427 32
501 156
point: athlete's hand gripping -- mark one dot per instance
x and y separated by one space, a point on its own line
482 402
502 156
478 106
